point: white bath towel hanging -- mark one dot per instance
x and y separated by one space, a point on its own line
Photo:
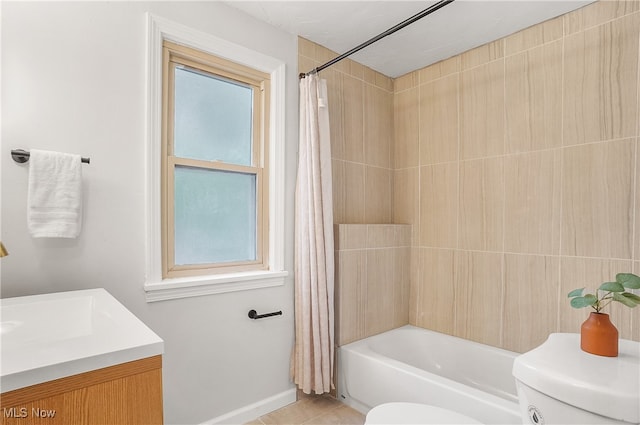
54 206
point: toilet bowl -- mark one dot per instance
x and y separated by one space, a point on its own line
414 413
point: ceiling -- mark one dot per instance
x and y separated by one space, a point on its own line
453 29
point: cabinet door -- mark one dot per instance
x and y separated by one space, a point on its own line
127 394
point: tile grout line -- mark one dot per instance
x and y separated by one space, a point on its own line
459 72
634 230
561 188
324 412
503 261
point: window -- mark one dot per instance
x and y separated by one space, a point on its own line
214 138
221 188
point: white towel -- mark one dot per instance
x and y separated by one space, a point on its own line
54 206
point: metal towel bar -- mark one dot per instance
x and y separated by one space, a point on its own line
254 314
22 156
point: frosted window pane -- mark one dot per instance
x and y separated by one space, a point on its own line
215 216
213 118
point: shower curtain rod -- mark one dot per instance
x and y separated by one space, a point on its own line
429 10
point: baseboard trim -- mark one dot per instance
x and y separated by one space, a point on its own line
255 410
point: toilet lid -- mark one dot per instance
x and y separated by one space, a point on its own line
414 413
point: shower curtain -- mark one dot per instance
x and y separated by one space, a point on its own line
312 360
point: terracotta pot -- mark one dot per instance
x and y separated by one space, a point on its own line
599 336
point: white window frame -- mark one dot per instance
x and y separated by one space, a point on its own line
157 288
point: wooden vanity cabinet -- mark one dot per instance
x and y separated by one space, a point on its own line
125 394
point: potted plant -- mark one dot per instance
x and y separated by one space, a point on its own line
597 334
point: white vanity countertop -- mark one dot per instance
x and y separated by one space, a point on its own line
51 336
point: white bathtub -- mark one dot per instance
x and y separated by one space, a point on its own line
417 365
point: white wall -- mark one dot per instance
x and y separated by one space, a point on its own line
73 80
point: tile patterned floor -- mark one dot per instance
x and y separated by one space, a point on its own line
312 410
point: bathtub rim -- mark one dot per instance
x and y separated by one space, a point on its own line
361 348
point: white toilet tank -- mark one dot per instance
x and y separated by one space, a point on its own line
558 383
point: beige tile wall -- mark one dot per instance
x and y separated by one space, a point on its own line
515 162
526 184
361 119
372 279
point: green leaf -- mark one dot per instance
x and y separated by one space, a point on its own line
631 296
591 298
575 293
612 287
581 302
624 300
628 280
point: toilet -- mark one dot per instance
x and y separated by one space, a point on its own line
414 413
558 383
